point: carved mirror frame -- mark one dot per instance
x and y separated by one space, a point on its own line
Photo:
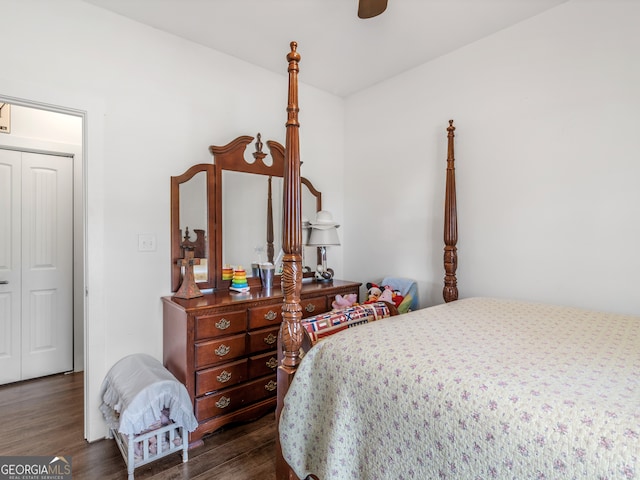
232 157
227 157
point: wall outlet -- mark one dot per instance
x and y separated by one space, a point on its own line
146 242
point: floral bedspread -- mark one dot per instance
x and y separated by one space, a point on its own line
474 389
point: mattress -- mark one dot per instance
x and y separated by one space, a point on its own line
477 388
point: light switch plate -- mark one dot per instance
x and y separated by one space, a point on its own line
5 117
146 242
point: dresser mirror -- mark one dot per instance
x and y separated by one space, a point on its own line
251 219
249 203
192 221
233 212
252 227
311 204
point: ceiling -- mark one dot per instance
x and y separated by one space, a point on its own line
341 53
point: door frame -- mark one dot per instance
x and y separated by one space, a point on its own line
80 225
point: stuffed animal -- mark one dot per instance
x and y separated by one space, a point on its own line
386 295
164 416
153 445
373 292
383 293
396 297
344 302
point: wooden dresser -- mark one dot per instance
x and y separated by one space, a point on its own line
222 346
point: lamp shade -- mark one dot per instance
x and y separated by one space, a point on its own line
324 219
321 237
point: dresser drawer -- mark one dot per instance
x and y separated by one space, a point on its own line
217 378
313 306
211 326
264 364
234 398
265 316
263 340
214 352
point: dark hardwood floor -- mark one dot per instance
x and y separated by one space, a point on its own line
45 417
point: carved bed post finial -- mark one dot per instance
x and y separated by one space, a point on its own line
290 338
292 235
450 291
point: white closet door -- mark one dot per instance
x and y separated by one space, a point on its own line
47 264
10 266
36 265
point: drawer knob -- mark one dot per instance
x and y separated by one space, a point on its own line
223 324
272 363
224 377
270 339
222 350
271 386
223 402
271 315
310 307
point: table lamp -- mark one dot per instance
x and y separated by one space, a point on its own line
323 234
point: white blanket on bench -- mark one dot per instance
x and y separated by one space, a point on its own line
137 388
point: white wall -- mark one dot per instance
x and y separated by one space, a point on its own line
153 105
547 164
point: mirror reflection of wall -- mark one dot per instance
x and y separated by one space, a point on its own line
193 216
193 203
244 218
309 254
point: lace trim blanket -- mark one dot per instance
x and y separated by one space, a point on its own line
477 388
137 389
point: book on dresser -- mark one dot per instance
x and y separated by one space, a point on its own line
222 346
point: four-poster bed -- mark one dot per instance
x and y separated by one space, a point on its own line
472 388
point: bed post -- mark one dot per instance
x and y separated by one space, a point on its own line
290 337
450 291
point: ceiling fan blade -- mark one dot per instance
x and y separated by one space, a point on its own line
371 8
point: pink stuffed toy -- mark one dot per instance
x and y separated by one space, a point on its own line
344 302
396 298
386 295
